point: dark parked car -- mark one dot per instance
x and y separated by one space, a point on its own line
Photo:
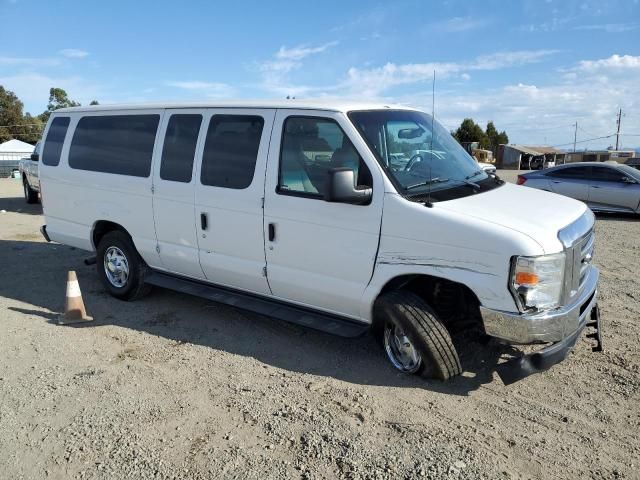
603 187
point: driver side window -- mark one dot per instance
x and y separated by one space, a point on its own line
312 146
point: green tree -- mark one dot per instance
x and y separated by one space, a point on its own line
94 102
32 130
495 138
470 131
11 118
58 98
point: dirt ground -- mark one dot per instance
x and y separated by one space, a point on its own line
174 386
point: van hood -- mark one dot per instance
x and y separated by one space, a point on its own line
535 213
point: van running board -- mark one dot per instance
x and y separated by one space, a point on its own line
272 308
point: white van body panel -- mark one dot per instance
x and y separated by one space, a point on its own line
323 253
417 240
77 199
232 247
537 214
174 209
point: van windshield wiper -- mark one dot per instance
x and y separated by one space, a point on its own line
425 183
474 174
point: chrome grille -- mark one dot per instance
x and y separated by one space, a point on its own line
586 255
578 239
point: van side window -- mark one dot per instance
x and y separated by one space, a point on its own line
54 141
310 147
121 144
231 150
180 147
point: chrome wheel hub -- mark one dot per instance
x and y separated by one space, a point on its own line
401 352
116 267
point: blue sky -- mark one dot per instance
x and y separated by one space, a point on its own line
533 67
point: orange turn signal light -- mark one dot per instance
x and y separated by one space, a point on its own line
527 278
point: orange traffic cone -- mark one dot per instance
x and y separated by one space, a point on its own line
74 311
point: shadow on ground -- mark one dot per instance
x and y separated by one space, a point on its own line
618 217
19 205
186 319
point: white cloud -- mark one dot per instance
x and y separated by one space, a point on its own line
208 89
302 51
275 72
614 62
459 24
500 60
33 89
29 62
610 27
589 92
73 53
545 114
374 81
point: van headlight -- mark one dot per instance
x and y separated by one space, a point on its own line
538 281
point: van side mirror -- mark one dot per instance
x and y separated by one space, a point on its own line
35 157
341 188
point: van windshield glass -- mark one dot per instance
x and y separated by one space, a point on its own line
421 156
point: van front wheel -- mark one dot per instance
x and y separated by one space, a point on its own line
414 339
120 267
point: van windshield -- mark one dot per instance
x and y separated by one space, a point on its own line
420 156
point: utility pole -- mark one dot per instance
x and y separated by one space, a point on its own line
618 132
575 137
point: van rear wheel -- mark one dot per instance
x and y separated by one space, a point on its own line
413 337
120 267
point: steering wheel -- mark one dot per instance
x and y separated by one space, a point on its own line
413 161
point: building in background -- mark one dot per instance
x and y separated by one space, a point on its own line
11 152
528 157
620 156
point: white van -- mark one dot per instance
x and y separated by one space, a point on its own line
294 210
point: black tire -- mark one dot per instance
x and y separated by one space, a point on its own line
135 286
423 328
30 195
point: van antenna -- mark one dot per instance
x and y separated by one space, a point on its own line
433 114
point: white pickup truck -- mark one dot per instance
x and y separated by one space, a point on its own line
231 201
29 172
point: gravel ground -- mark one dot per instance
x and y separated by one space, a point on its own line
174 386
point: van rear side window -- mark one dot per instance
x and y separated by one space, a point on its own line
231 150
120 144
180 147
54 141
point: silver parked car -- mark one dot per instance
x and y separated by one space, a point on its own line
604 187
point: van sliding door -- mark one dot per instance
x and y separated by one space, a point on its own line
174 190
229 197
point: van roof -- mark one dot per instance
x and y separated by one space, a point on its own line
320 104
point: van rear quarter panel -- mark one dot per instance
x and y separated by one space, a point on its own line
75 200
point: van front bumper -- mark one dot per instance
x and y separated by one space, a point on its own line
550 326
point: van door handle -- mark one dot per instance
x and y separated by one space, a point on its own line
203 221
272 232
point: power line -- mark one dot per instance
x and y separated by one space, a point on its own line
588 133
587 140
